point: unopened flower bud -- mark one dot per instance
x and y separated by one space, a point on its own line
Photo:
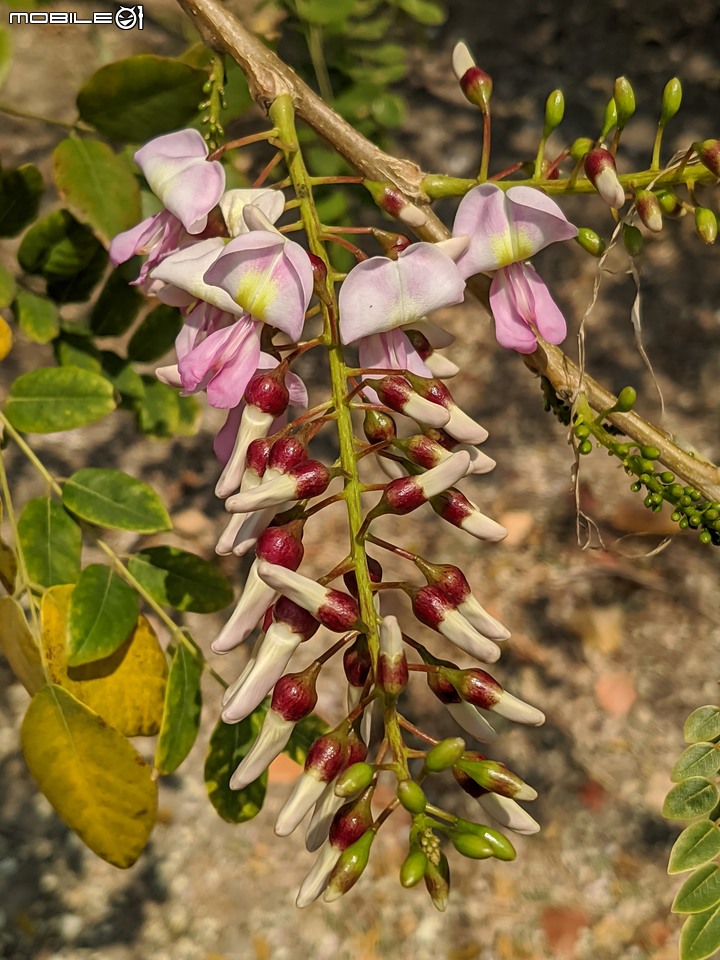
295 695
319 276
374 572
435 610
323 762
670 205
472 846
258 453
335 610
307 479
406 494
649 210
632 239
554 112
451 581
440 366
624 98
411 796
496 778
437 881
706 225
269 744
357 662
590 241
581 147
501 847
482 690
350 866
455 507
601 171
469 719
432 448
474 82
355 778
610 118
389 199
392 243
413 868
392 668
626 400
460 426
395 392
444 754
378 426
671 100
508 813
285 453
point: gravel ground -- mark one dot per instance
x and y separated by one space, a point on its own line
612 644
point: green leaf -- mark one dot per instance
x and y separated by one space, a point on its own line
97 186
58 398
111 498
5 55
141 97
691 798
8 287
116 307
94 778
303 736
72 350
51 542
229 743
182 580
427 12
700 891
20 193
36 316
158 411
324 11
702 724
696 845
57 247
183 705
103 613
80 286
388 109
700 935
189 410
699 760
122 375
155 335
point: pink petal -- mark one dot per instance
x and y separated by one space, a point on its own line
223 363
127 244
519 298
225 439
380 294
391 350
185 270
548 316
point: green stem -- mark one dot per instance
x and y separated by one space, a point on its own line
28 115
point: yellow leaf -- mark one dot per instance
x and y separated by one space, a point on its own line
21 649
97 782
127 688
6 338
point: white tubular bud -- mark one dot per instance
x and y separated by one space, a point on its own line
445 474
508 814
479 462
302 590
435 335
472 721
425 411
254 424
463 428
316 881
325 809
224 546
462 60
271 493
457 630
440 366
306 793
276 649
270 743
482 527
512 708
478 616
236 684
256 597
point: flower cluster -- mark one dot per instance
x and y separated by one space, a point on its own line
245 291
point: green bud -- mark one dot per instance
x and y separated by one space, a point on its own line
671 100
705 537
354 779
624 98
554 111
650 453
502 848
496 777
349 867
649 210
584 447
581 147
706 225
711 514
626 400
581 431
708 152
470 845
669 204
413 868
591 241
411 796
633 239
610 118
444 754
667 476
437 881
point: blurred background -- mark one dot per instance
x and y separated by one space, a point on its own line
616 646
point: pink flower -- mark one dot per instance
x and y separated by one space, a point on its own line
505 229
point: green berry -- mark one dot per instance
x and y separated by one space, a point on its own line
411 796
705 537
413 868
470 845
585 447
444 754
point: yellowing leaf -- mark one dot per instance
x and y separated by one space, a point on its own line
6 338
127 688
97 782
19 646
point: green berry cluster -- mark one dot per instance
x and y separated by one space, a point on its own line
214 88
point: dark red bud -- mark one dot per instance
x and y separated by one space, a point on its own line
421 450
596 161
294 695
352 820
392 674
430 389
357 661
258 453
282 545
452 506
296 617
339 612
402 496
708 152
474 685
374 571
378 426
430 605
477 86
286 453
393 391
467 783
420 343
357 750
442 688
318 267
326 756
449 579
267 392
311 478
392 243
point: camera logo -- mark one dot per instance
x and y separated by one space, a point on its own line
126 18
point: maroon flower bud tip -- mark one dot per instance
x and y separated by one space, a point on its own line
420 343
408 493
708 152
297 619
294 695
339 611
267 392
311 478
392 670
430 388
326 756
601 171
319 269
476 686
454 507
430 605
378 426
357 750
390 199
474 82
282 545
402 496
467 783
352 820
257 456
268 619
449 579
357 661
423 451
649 210
285 453
375 572
442 688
